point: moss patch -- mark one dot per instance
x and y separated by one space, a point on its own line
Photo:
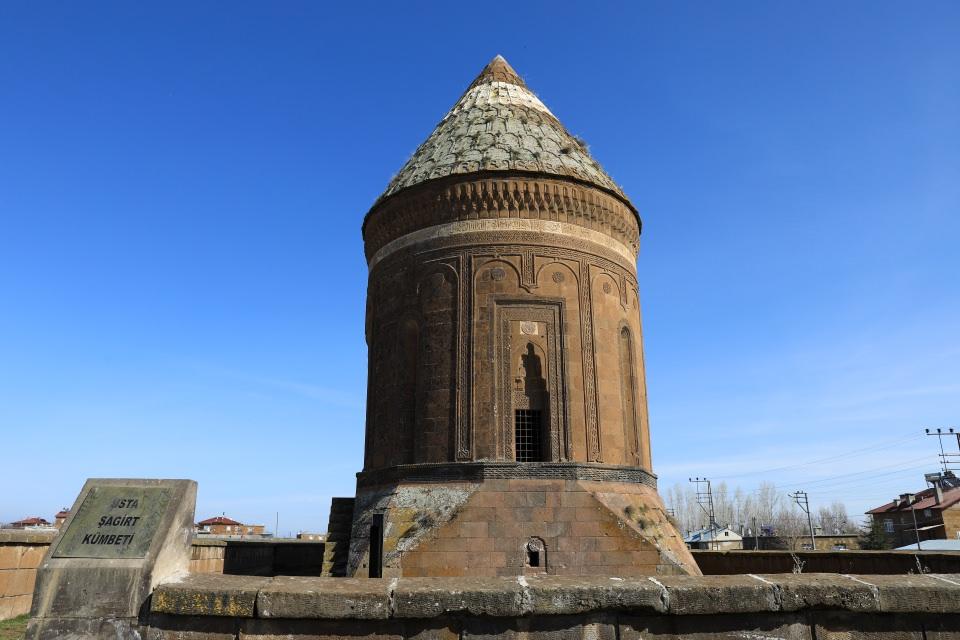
14 628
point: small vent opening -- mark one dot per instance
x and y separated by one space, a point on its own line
536 556
533 558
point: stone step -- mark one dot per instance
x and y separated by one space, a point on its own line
337 548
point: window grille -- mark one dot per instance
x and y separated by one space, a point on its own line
527 434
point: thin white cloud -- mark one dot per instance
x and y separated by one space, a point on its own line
328 395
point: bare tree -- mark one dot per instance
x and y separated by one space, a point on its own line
765 506
833 519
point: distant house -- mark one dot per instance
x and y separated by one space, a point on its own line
224 526
30 523
61 517
313 537
931 514
714 538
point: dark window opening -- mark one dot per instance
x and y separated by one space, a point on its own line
527 435
376 546
533 558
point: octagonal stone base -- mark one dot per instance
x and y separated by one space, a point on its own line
490 527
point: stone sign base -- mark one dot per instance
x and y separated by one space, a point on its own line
123 537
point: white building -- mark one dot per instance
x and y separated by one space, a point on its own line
714 539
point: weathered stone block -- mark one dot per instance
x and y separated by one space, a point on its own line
717 594
710 627
32 556
554 595
10 556
822 591
17 583
14 606
203 594
167 627
836 625
334 598
915 593
540 628
429 598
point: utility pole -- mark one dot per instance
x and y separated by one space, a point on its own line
705 500
800 497
916 532
949 461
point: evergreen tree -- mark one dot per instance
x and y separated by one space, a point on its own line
872 536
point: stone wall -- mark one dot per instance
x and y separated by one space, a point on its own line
951 522
20 554
803 607
877 562
823 542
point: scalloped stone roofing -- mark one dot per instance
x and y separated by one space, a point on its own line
500 125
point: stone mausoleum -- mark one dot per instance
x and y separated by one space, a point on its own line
507 448
507 429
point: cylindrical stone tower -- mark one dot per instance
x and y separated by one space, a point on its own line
507 423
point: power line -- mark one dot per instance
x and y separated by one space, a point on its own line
832 479
876 447
879 470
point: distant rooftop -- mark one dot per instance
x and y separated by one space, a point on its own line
33 521
218 520
933 545
715 534
925 499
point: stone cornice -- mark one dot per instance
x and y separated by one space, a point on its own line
197 600
480 471
494 195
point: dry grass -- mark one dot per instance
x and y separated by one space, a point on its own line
14 628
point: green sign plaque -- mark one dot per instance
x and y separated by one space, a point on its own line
114 521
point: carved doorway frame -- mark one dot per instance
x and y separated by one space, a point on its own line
549 311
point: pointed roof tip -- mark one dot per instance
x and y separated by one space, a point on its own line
454 149
498 70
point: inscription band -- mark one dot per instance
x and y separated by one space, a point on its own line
462 227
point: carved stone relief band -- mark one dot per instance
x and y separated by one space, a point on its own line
495 197
463 227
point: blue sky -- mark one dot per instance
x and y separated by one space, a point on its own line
181 270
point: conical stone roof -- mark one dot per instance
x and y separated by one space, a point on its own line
500 125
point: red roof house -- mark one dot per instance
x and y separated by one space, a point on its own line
931 514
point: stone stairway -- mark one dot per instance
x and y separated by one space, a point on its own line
337 546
